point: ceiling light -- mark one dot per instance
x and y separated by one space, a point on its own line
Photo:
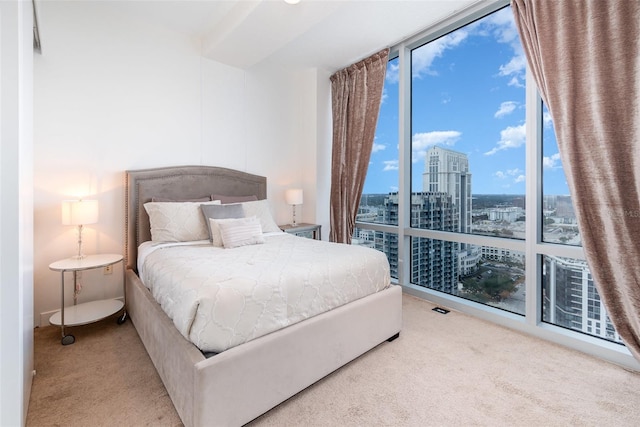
292 1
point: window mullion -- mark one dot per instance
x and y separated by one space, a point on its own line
533 283
404 164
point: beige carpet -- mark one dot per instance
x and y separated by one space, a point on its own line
444 370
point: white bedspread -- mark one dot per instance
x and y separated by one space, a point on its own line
219 298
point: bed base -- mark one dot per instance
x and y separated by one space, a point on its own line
238 385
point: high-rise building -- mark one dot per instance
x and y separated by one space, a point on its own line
571 299
564 208
447 171
445 205
434 262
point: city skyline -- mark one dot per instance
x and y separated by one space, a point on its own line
486 274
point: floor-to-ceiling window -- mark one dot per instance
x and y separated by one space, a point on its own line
468 161
465 191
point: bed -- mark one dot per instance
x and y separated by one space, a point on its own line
244 381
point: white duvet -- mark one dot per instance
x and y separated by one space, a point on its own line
219 298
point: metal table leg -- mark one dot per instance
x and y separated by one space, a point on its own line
66 339
123 317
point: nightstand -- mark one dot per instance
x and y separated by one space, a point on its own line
88 312
303 229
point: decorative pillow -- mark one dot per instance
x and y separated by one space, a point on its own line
233 199
260 209
239 231
177 221
219 212
198 199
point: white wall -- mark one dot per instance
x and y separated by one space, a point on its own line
323 136
112 94
16 212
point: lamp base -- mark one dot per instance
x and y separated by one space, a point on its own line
293 219
80 254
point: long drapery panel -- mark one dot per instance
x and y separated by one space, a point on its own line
585 57
356 92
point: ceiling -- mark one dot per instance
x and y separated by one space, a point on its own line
326 34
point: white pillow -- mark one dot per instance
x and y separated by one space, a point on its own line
260 209
177 221
239 231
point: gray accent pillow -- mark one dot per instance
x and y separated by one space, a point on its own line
219 212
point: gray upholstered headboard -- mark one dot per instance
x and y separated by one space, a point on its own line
178 183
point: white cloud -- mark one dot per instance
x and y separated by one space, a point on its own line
516 66
518 173
511 137
423 57
547 122
421 142
505 29
390 165
506 108
516 69
552 162
515 82
515 176
393 71
513 172
377 147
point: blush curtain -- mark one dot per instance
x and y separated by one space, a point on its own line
585 57
356 93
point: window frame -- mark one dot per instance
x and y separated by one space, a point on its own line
533 246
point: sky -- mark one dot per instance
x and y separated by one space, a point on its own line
468 95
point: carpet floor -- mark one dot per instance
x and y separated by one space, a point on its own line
444 370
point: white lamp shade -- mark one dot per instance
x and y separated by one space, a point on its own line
293 196
79 212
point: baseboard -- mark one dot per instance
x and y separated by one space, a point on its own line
46 315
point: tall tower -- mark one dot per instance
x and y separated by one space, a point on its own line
447 171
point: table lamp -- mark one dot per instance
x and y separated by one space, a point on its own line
79 213
293 197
